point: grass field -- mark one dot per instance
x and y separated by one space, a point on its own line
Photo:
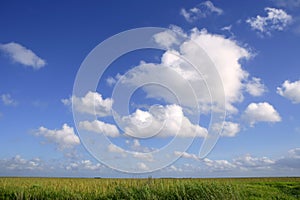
80 188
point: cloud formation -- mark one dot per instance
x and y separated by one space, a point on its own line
186 155
17 163
22 55
290 90
255 88
218 165
247 161
8 100
291 161
261 112
161 121
246 165
225 54
291 4
92 103
100 127
230 129
276 20
83 165
202 10
64 138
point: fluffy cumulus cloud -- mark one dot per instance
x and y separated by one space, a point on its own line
202 10
166 39
158 121
230 129
8 100
100 127
255 88
225 54
64 138
261 112
92 103
290 90
22 55
161 121
276 20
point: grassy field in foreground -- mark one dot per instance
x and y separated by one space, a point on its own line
80 188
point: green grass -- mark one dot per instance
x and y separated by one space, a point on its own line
77 188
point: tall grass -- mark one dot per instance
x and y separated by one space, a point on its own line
77 188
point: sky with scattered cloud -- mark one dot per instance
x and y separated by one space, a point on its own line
253 54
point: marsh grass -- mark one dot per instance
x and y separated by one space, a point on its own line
80 188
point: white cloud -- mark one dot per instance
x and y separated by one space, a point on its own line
225 54
110 81
100 127
247 161
186 155
295 153
161 121
8 100
92 103
142 166
173 168
122 152
144 156
22 55
218 165
291 4
115 149
135 145
202 10
64 138
230 129
290 90
291 161
261 112
244 165
18 163
255 87
84 165
276 19
166 39
227 28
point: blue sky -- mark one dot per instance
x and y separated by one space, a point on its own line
254 47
